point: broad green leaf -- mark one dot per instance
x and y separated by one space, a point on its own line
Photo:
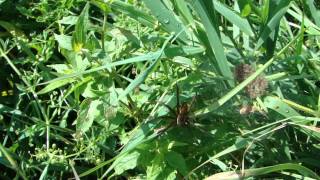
183 61
176 161
69 20
128 161
277 105
64 41
158 169
246 10
102 5
60 68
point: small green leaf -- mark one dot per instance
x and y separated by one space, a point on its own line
64 41
69 20
79 36
183 61
88 113
246 10
176 161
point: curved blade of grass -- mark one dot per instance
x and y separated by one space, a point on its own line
127 9
236 146
273 22
244 83
44 172
309 130
170 52
264 170
135 83
315 13
167 19
54 85
311 28
183 9
233 17
214 39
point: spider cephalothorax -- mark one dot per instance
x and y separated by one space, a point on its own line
181 114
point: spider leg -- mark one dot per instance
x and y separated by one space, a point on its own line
193 101
178 98
170 109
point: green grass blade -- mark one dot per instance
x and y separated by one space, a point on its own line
184 10
236 146
167 19
233 17
129 10
311 28
265 170
54 85
315 13
44 172
169 52
214 39
135 83
273 23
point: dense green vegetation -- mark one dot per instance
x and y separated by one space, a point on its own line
159 89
